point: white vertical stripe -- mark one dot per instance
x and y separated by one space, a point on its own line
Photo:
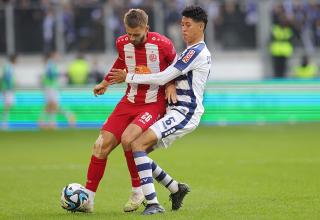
130 60
153 62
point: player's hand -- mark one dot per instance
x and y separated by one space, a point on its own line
171 92
99 89
117 76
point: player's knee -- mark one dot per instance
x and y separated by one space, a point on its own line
136 145
126 141
102 147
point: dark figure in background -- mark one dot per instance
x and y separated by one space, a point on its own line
281 47
96 75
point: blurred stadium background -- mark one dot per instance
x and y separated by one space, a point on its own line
265 167
242 87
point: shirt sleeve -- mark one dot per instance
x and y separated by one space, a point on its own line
170 52
188 59
160 78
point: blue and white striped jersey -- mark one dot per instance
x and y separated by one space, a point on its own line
190 71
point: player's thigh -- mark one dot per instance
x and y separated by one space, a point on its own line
171 127
118 121
145 141
104 144
147 115
130 133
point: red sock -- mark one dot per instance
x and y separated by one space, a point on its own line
135 180
95 173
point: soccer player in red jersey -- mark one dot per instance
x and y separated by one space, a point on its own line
138 51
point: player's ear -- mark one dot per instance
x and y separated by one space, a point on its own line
147 28
201 26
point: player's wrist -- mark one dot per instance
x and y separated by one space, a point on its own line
104 83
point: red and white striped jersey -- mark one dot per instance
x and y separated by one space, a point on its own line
157 53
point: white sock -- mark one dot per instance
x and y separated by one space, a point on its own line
91 196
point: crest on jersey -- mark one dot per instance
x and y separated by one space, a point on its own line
153 57
188 56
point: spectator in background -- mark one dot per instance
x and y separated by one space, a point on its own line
306 69
68 24
96 75
230 23
50 82
48 31
173 20
78 71
7 88
281 47
316 28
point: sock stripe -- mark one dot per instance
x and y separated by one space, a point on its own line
161 176
142 167
169 183
137 154
153 166
146 180
151 196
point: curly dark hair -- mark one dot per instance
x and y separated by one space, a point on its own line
196 13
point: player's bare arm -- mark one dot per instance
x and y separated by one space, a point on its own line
101 88
117 76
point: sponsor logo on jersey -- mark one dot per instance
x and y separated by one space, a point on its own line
153 57
188 56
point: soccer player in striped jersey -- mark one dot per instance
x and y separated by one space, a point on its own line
138 51
190 72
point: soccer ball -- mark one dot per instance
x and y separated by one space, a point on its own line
74 197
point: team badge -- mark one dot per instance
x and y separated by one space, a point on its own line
188 56
152 57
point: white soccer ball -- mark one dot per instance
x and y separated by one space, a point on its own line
74 197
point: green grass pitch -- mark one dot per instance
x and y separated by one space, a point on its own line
235 172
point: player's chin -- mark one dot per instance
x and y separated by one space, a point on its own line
185 38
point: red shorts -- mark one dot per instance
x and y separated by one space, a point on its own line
143 115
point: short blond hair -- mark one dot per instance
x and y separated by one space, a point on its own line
136 18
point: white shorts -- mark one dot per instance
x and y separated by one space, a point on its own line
9 98
51 95
171 127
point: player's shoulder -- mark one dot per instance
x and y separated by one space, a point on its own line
122 40
199 49
159 39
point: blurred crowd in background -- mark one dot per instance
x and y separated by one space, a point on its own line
71 43
91 26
